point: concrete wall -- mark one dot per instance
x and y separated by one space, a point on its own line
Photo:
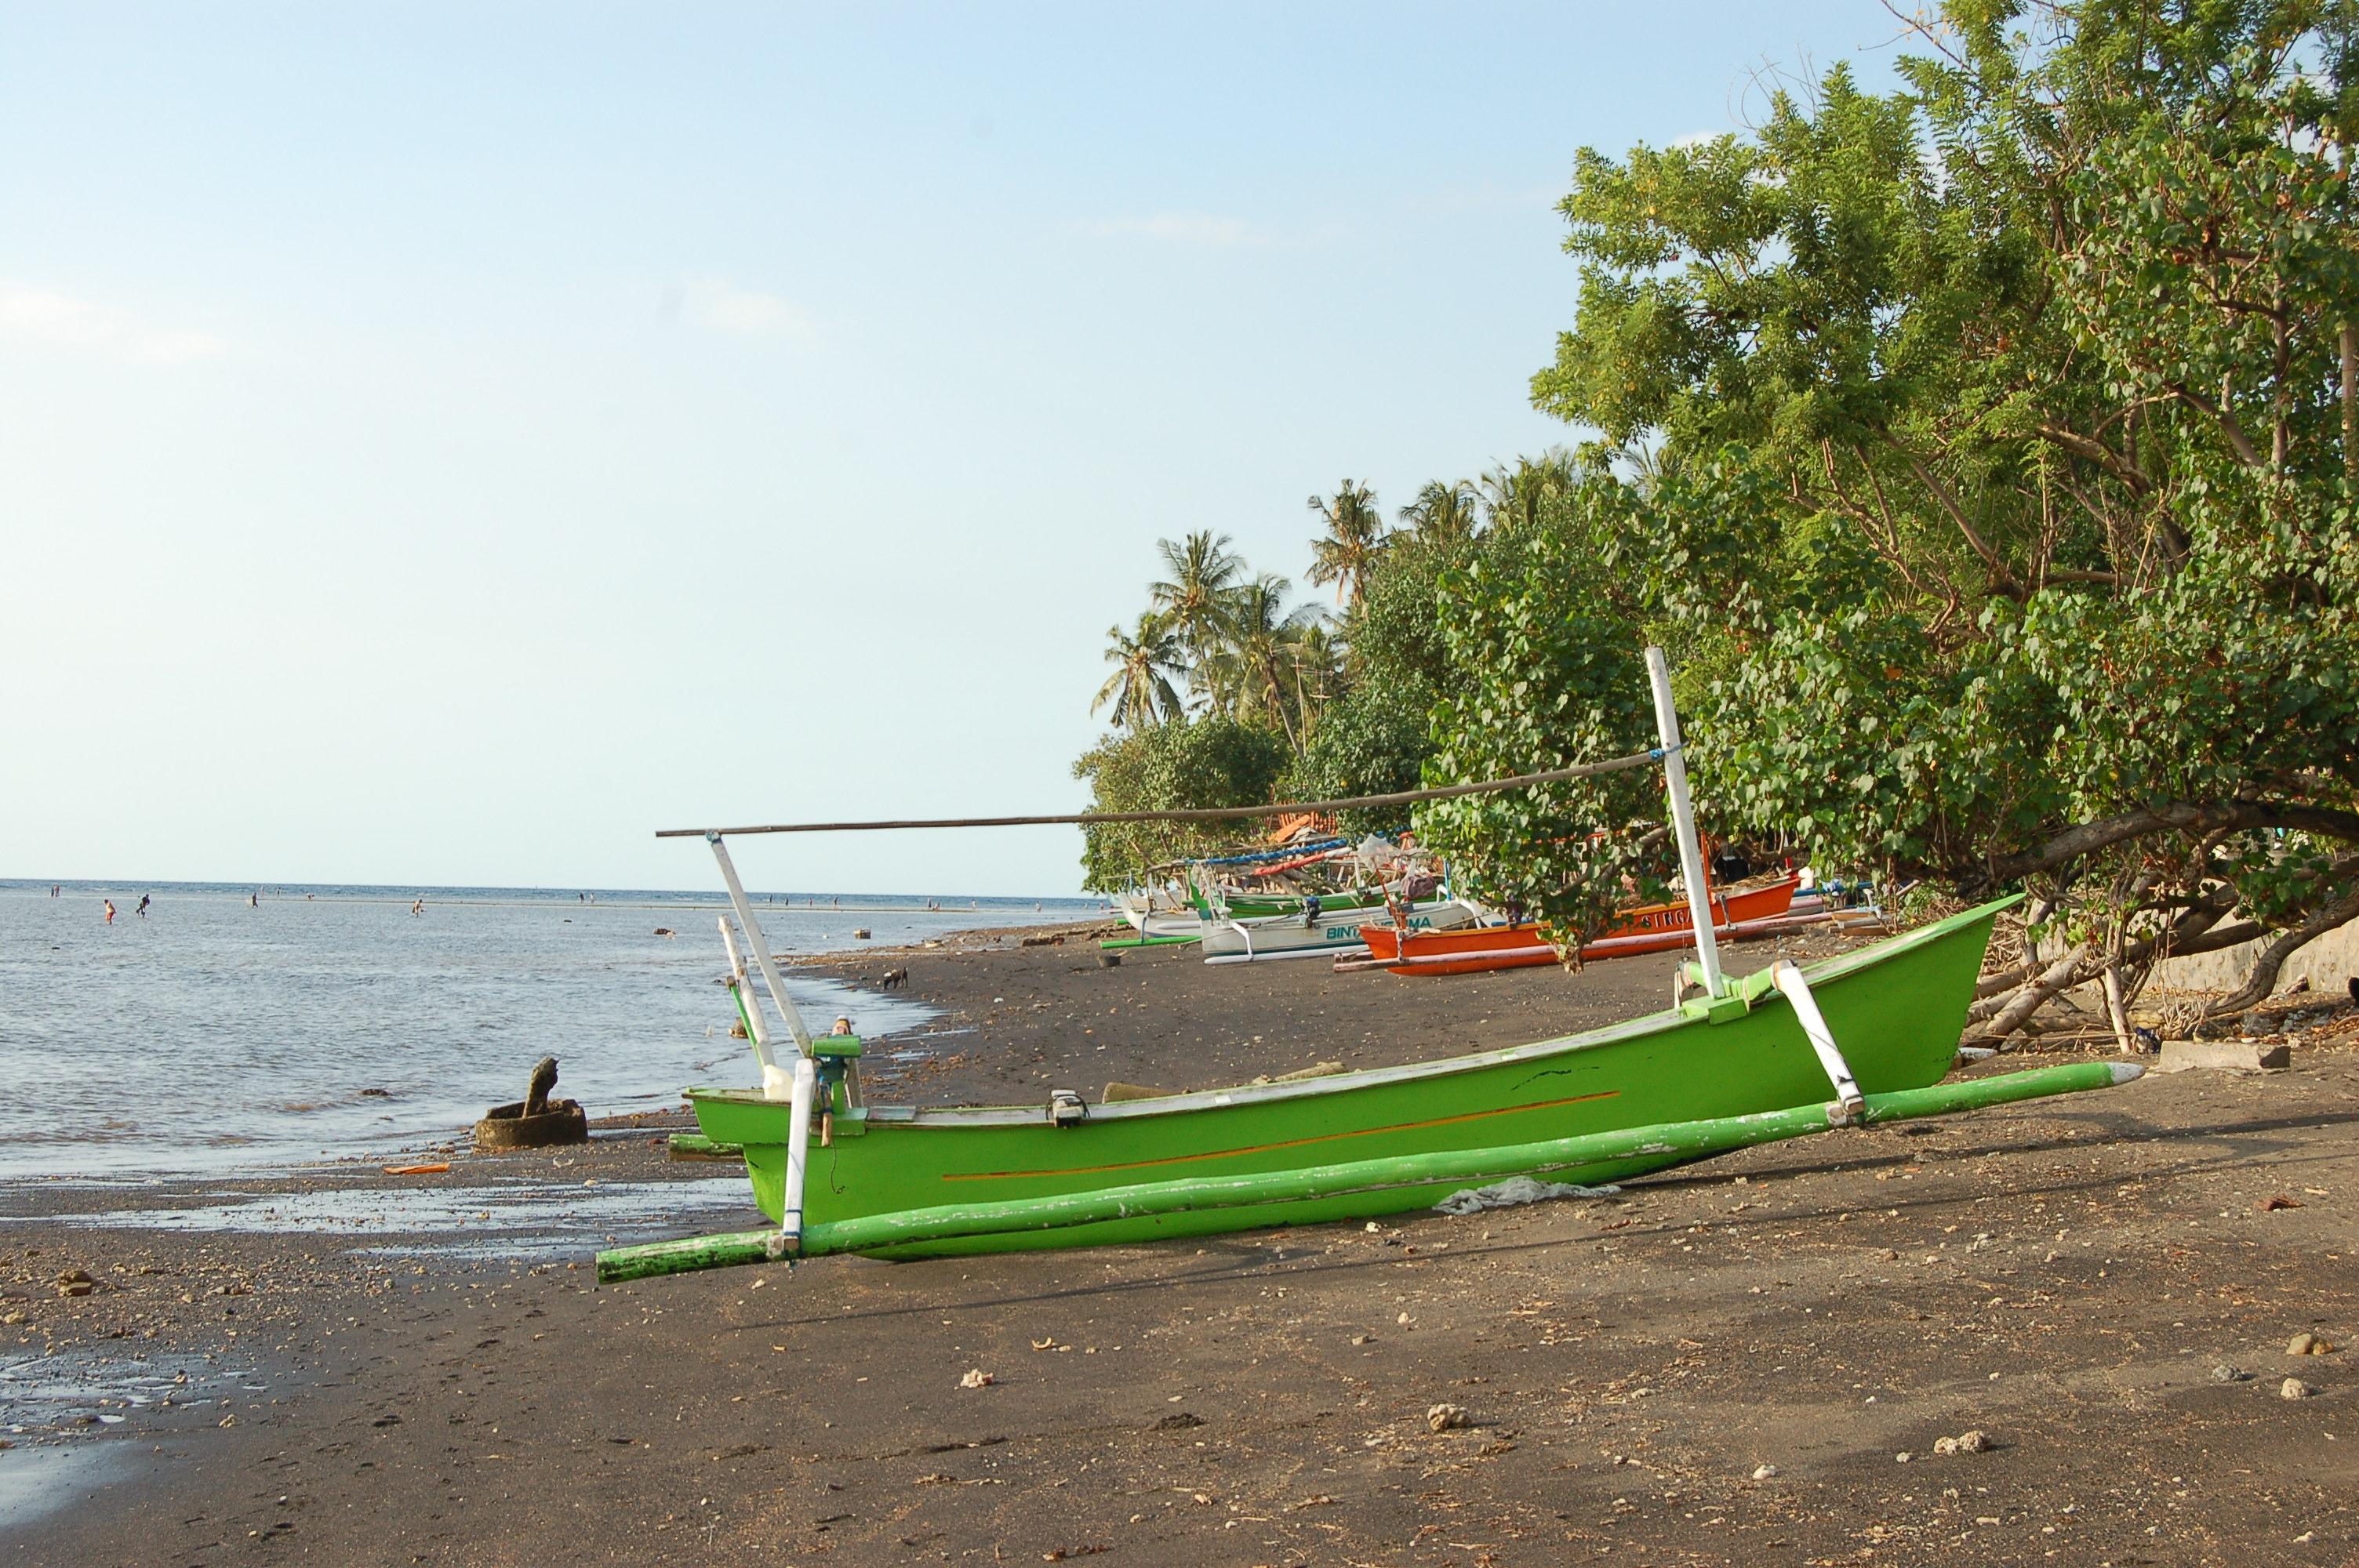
2327 964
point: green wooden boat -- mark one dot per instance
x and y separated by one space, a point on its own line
1897 1009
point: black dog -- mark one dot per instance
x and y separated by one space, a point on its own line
895 979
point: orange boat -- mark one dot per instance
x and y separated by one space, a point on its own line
1651 928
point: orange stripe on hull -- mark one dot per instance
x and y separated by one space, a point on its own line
1266 1148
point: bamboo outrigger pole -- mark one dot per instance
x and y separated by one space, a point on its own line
1650 1147
1203 814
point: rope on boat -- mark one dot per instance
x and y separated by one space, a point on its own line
1283 852
1204 814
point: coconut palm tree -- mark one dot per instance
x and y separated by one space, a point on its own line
1145 659
1443 512
1315 665
1194 599
1257 672
1514 496
1355 539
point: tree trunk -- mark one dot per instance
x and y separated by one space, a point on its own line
2350 402
2010 1015
2271 959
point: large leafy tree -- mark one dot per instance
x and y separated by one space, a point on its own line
1190 764
1997 438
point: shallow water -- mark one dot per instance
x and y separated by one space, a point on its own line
525 1218
212 1035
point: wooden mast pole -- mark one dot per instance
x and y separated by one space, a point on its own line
1683 829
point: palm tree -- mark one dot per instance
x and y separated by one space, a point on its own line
1443 512
1140 688
1315 663
1194 599
1514 496
1354 539
1257 672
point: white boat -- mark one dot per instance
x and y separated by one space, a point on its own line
1156 913
1336 935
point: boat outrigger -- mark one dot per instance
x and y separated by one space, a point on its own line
1649 928
1864 1037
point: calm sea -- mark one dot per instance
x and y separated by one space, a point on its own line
214 1033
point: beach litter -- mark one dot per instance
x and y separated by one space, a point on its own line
1513 1193
432 1168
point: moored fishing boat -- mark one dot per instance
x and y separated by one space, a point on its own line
1272 936
1649 928
1897 1007
1748 1061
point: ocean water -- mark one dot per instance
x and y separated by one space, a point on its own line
212 1035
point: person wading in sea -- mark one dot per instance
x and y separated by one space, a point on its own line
142 911
110 911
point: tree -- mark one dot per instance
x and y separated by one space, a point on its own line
1513 497
1190 764
1443 512
1354 540
1145 659
2001 439
1545 670
1257 672
1195 596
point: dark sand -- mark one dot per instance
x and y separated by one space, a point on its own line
2065 1277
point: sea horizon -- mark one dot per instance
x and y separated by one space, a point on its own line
219 1032
494 893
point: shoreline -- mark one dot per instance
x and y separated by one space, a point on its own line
420 1369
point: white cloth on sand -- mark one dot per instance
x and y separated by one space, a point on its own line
1517 1190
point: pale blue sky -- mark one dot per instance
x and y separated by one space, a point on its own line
445 444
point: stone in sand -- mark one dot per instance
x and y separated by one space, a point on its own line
1444 1418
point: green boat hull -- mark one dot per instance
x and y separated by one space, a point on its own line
1897 1009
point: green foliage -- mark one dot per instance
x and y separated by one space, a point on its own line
1544 672
1145 660
1996 470
1352 540
1371 741
1187 763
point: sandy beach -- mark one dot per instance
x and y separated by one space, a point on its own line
1752 1359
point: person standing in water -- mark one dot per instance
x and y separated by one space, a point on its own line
142 911
110 911
417 907
254 898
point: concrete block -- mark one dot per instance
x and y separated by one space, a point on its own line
2225 1056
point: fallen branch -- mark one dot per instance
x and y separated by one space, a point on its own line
2088 838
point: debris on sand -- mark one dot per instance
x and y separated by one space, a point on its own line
2294 1389
1975 1442
1445 1417
976 1377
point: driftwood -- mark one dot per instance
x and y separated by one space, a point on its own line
2007 1000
